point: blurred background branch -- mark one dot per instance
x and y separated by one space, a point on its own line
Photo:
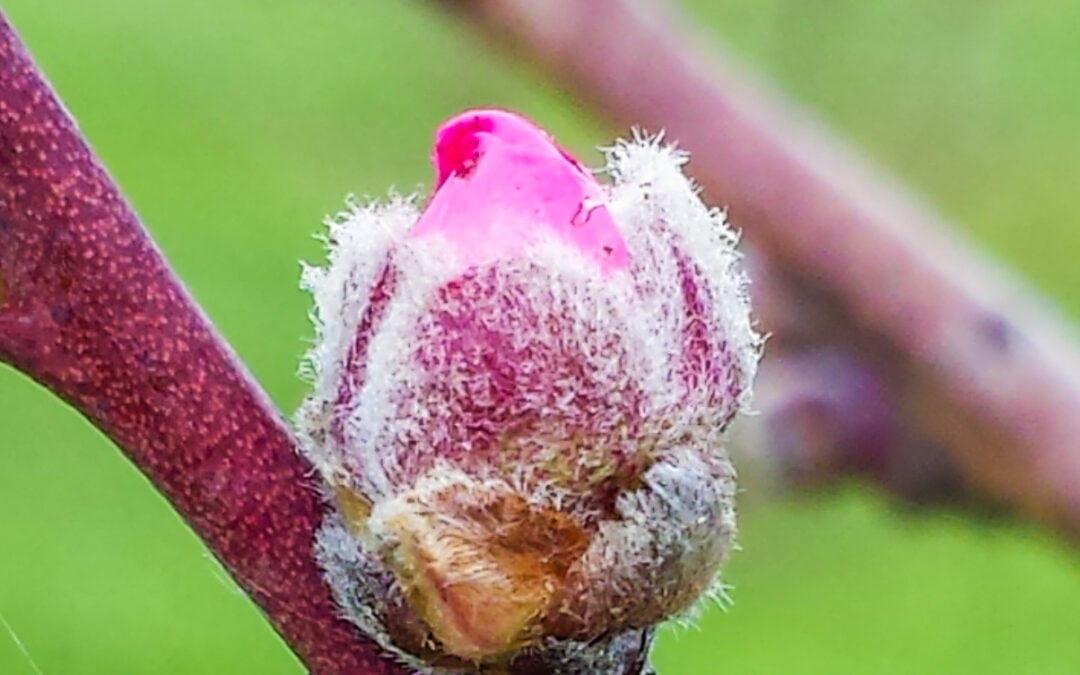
898 352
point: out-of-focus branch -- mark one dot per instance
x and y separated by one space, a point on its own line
89 308
980 382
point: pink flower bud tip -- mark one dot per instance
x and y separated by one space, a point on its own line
503 184
520 396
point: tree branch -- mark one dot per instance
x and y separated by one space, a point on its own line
89 308
982 379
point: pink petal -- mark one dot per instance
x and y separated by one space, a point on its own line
502 183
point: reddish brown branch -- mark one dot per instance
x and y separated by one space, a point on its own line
973 363
89 308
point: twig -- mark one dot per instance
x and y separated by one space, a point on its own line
973 362
89 308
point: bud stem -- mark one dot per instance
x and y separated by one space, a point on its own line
89 308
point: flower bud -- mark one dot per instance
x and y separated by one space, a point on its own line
520 396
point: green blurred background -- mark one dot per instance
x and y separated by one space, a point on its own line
235 125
